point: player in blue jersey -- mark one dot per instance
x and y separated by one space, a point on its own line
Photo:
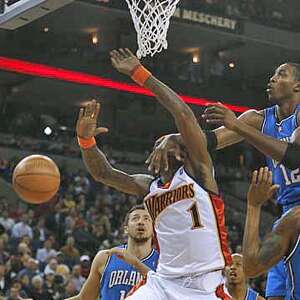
236 281
282 243
273 131
114 272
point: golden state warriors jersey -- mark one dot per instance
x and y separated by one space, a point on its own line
190 227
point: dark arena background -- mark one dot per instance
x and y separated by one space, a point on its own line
54 57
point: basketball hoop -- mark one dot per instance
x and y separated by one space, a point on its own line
151 20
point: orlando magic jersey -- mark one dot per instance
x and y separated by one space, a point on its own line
251 294
288 180
118 277
292 264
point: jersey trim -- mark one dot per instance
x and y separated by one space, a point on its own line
218 208
292 277
262 129
293 250
103 272
200 183
149 255
221 294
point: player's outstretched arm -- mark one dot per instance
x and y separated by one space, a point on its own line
286 153
96 161
260 256
90 289
192 135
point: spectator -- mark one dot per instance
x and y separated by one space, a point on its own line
4 282
70 251
76 277
22 228
44 254
4 256
51 267
31 269
6 221
37 291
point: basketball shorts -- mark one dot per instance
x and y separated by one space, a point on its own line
276 281
202 287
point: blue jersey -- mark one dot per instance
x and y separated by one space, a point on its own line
289 180
251 294
118 277
292 264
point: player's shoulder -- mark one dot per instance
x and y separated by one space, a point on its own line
290 220
100 260
253 117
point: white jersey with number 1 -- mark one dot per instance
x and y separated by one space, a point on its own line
190 227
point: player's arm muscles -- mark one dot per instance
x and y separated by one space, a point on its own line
102 171
284 152
260 256
90 289
226 137
192 135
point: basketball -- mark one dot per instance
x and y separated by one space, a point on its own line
36 179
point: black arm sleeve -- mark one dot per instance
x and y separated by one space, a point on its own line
291 157
211 140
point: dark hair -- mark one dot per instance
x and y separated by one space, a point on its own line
136 207
296 67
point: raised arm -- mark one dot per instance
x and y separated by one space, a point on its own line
192 135
96 161
90 289
260 256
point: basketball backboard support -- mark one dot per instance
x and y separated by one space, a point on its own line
18 13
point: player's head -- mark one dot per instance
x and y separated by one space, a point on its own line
234 273
138 224
285 83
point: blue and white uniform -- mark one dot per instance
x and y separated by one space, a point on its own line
251 294
118 277
288 194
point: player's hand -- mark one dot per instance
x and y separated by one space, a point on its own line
164 146
261 188
124 61
124 255
218 114
86 126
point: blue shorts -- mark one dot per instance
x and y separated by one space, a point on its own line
276 282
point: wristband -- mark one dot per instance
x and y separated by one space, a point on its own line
86 143
140 75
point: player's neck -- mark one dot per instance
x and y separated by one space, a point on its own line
140 250
286 109
237 291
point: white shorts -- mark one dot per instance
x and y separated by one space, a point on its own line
201 287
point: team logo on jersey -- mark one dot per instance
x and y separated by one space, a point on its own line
158 202
122 277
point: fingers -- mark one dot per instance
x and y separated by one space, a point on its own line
101 130
165 160
97 110
80 115
116 251
260 175
254 177
118 55
265 175
91 109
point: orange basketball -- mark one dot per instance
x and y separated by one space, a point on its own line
36 179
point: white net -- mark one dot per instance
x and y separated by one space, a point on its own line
151 20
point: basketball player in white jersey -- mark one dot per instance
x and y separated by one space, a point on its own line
183 202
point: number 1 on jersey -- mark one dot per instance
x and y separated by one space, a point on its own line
193 210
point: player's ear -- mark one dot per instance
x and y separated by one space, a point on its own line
297 87
126 229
